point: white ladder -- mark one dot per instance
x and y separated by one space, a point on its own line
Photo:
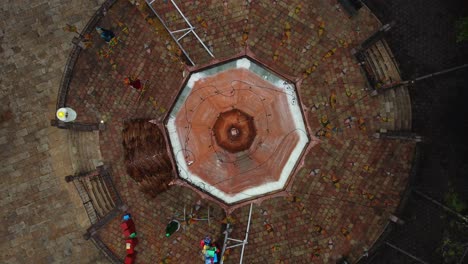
175 34
238 241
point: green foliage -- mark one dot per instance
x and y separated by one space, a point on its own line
451 248
462 29
454 201
455 234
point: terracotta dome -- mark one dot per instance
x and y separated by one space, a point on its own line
234 130
237 131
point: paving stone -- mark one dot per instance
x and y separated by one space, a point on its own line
346 201
35 49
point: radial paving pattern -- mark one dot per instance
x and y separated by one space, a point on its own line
345 186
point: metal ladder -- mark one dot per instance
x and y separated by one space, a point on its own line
175 34
238 241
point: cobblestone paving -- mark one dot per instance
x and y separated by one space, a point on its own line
42 217
350 182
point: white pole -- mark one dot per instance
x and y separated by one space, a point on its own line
226 234
170 32
191 29
180 12
240 242
246 234
203 44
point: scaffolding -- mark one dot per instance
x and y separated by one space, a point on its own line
179 34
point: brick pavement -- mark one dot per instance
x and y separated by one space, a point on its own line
349 184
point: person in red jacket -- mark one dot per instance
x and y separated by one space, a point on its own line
133 82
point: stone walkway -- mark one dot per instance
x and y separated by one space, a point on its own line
43 218
350 182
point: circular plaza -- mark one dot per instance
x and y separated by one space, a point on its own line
204 108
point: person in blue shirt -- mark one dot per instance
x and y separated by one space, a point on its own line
209 250
106 35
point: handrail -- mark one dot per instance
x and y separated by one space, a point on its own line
67 76
75 52
110 255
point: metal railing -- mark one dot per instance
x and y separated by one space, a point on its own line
67 76
108 253
75 52
87 202
420 212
